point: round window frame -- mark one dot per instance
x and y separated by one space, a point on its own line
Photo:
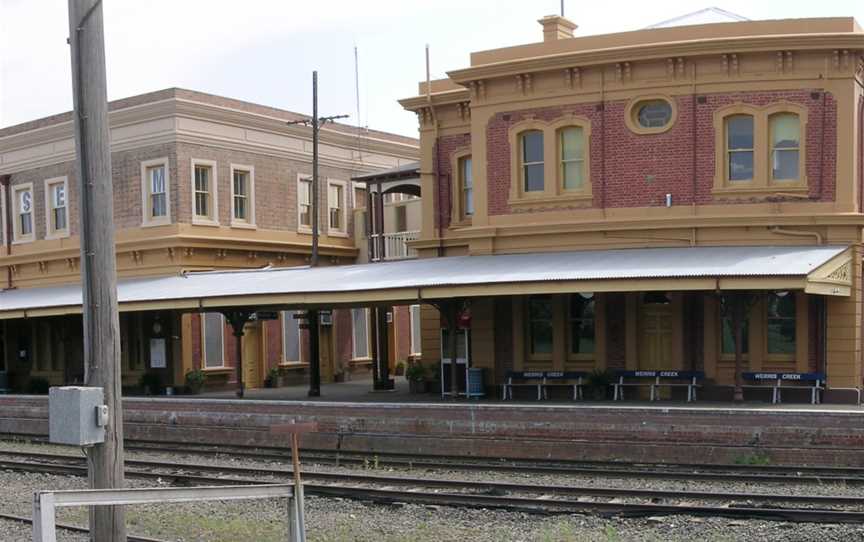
631 114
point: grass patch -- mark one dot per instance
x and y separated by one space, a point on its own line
756 458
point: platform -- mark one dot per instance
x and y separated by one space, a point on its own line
360 391
384 423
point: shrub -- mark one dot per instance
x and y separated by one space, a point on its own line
38 385
415 373
195 381
272 379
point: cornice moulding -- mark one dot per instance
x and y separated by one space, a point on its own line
690 48
179 108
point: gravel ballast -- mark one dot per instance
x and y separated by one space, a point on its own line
335 520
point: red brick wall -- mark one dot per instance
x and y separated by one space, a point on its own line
402 324
344 336
196 341
861 152
273 340
639 170
229 345
447 146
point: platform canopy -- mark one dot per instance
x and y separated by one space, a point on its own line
824 270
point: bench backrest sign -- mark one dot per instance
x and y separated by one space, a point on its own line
784 376
661 374
549 375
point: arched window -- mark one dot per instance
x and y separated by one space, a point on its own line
785 130
531 143
571 152
739 147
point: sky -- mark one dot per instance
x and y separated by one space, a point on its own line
264 51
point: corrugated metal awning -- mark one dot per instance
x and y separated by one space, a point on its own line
816 269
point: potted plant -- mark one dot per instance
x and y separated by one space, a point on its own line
272 379
416 376
195 381
598 382
400 368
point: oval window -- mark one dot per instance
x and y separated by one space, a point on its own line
654 114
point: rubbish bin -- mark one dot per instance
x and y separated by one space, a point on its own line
475 383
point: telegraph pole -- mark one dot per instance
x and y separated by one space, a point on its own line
98 260
312 314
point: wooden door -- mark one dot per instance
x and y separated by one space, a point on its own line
655 336
252 373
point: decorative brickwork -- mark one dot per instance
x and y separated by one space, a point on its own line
632 170
273 340
447 146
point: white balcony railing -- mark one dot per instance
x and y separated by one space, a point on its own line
395 246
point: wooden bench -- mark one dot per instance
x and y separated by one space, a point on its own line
774 382
657 379
527 379
564 379
542 381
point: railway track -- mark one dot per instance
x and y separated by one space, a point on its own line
76 528
666 471
669 471
500 495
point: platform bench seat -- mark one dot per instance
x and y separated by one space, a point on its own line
564 379
774 382
527 379
542 381
657 379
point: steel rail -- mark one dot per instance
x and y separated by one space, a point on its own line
357 457
76 528
538 503
817 474
623 471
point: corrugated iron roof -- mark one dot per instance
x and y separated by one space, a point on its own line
691 262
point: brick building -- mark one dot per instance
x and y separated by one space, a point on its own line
686 138
200 183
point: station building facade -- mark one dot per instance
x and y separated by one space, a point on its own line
201 183
733 134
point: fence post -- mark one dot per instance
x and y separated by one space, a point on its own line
44 529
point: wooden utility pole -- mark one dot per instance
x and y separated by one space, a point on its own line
313 315
98 263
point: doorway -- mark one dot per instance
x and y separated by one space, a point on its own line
655 332
252 373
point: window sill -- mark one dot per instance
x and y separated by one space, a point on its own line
337 233
293 365
218 370
305 230
464 223
23 241
155 223
204 222
581 358
58 235
244 226
546 200
748 190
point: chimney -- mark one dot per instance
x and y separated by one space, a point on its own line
556 27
